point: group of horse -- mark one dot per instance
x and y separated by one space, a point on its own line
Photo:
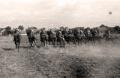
75 36
62 36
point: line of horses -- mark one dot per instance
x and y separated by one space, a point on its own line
62 36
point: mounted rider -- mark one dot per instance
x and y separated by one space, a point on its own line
17 38
31 37
43 37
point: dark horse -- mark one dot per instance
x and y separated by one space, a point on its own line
43 37
53 37
31 37
60 39
17 39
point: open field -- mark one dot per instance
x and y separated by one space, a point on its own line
101 60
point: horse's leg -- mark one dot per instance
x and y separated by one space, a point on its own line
15 45
64 43
73 40
57 42
78 41
54 42
43 43
18 46
68 41
31 43
85 40
82 41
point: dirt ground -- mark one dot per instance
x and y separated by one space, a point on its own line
100 60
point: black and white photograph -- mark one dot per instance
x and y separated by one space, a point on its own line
59 38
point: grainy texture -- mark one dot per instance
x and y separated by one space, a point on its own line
83 61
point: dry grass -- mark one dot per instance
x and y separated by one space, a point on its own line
86 61
100 60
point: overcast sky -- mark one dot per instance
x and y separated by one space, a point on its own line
59 12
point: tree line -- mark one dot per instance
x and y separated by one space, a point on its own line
8 30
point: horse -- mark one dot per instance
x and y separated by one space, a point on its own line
95 35
71 36
65 34
43 37
17 39
60 39
79 36
88 34
107 36
31 37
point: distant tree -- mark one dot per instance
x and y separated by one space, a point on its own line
62 28
33 27
7 30
102 25
21 27
117 29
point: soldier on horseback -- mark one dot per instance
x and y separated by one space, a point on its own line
31 37
107 35
17 38
43 37
71 36
95 34
60 38
88 34
53 37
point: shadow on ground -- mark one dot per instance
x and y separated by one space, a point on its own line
8 49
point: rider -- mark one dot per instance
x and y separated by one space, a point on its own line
17 38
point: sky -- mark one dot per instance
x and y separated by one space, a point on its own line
56 13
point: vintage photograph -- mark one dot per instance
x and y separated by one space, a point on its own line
59 38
